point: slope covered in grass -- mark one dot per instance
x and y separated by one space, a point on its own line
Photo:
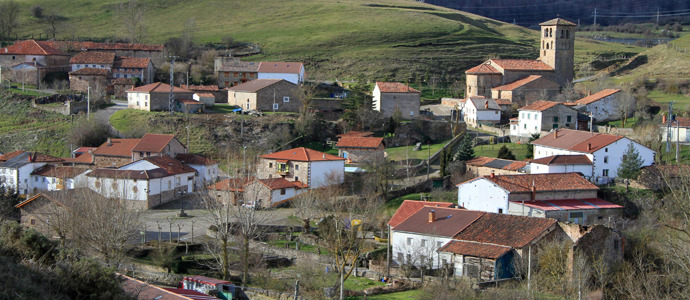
344 39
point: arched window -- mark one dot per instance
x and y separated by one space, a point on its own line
546 32
547 46
550 32
552 45
561 33
567 34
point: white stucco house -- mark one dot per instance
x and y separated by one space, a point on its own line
57 178
604 150
311 167
678 131
562 164
206 168
289 71
543 116
480 110
16 168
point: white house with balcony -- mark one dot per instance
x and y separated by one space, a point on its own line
543 116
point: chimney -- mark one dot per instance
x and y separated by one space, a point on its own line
534 192
589 146
110 143
324 156
555 134
432 216
589 93
493 175
486 104
29 157
663 119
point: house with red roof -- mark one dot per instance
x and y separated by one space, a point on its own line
231 71
58 178
31 60
562 164
543 116
266 95
390 98
272 192
566 197
86 79
311 167
526 90
155 97
606 151
606 105
289 71
481 166
16 168
206 168
118 152
133 67
361 149
555 64
109 66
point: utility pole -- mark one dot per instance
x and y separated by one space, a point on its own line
668 126
171 96
595 16
88 102
297 289
677 142
657 16
591 122
388 257
187 138
428 161
187 78
529 267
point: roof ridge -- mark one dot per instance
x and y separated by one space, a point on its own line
470 224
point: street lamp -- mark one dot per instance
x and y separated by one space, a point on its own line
187 138
181 213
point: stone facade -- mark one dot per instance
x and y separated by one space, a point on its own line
110 161
540 89
406 103
480 85
291 171
154 101
281 96
80 83
173 148
362 155
558 50
38 215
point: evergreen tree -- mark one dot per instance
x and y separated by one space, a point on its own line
446 159
466 150
505 153
530 147
631 163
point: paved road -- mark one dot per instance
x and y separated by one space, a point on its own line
104 114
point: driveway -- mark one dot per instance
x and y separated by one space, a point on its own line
103 115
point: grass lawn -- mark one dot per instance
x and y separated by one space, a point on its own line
682 101
320 147
519 150
406 295
446 196
128 119
619 123
27 92
684 154
221 109
360 283
404 152
303 247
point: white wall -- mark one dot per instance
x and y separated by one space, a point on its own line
482 194
136 100
294 78
82 66
529 122
413 250
320 171
289 193
675 133
123 188
206 174
140 165
376 98
44 183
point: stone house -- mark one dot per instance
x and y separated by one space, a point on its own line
219 95
133 67
155 96
389 97
606 151
121 86
482 166
229 191
266 95
361 149
80 80
157 145
289 71
311 167
232 71
606 105
678 131
114 153
189 106
156 52
526 90
57 178
555 63
543 116
92 59
206 168
32 60
41 211
567 197
16 168
266 193
480 110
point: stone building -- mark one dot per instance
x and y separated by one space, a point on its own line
526 90
266 95
392 97
80 80
483 166
232 71
31 60
361 149
121 86
606 105
155 96
555 63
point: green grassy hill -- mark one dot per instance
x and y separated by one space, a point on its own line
344 39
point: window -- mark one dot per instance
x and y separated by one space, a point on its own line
146 103
606 159
282 191
409 258
569 119
423 243
400 257
555 119
411 113
500 210
275 106
606 149
528 116
234 74
577 217
270 165
33 221
296 178
409 241
615 244
137 103
286 99
227 74
605 172
524 126
296 167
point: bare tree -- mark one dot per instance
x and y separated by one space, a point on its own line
434 81
9 18
132 14
626 105
54 20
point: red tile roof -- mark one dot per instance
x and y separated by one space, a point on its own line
205 95
563 160
116 147
93 57
158 87
578 141
517 83
479 161
153 142
31 47
447 222
34 156
84 149
542 182
194 159
231 184
280 67
522 64
540 105
171 165
557 21
39 195
188 101
597 96
59 171
359 142
484 68
571 204
507 230
682 122
255 85
395 87
84 158
132 62
301 154
282 183
90 71
10 155
474 249
516 165
409 207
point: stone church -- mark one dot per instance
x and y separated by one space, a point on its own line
523 81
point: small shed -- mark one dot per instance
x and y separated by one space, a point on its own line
190 106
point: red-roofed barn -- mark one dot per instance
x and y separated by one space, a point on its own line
361 149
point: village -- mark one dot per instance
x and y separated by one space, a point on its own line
377 192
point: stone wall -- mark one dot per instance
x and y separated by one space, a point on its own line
110 161
71 104
407 103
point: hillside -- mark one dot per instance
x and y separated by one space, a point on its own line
669 61
385 40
